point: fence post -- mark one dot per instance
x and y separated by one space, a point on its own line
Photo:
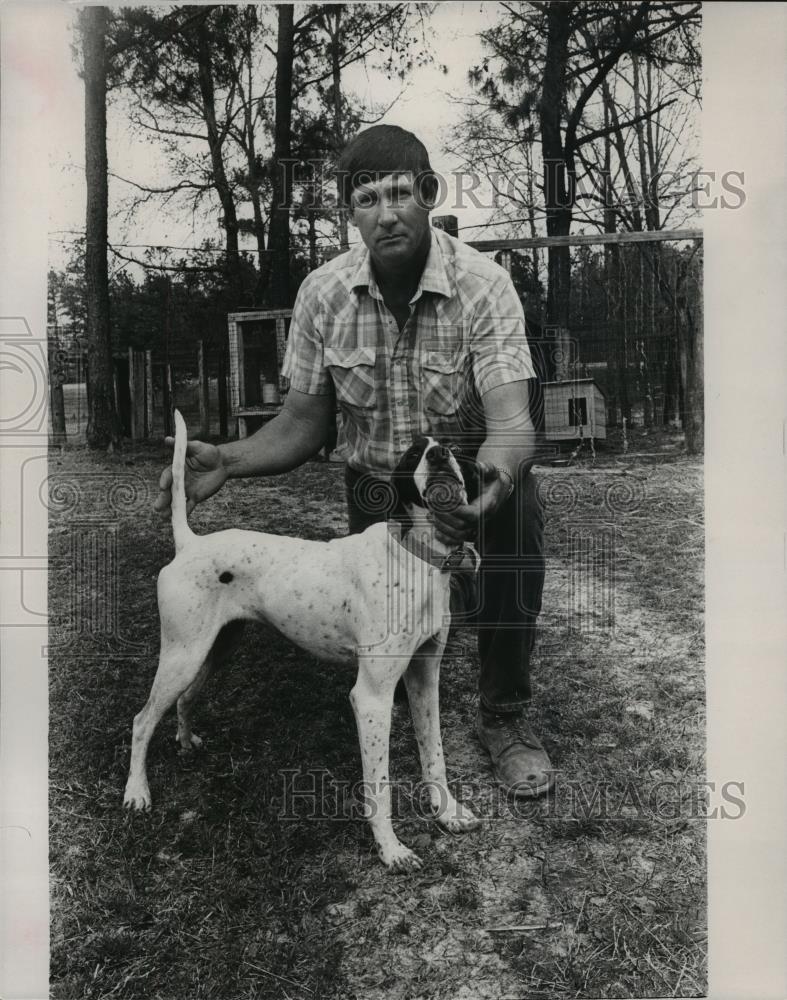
562 353
136 383
122 379
115 393
448 223
148 394
57 409
57 406
86 376
169 423
203 389
133 388
223 408
694 423
56 367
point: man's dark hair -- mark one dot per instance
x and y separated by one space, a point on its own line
381 150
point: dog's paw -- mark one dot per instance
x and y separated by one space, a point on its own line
137 800
459 824
457 818
400 858
189 743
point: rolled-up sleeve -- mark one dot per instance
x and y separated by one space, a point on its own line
303 363
498 342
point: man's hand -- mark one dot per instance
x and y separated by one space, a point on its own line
205 475
462 523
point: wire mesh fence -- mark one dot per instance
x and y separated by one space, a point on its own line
629 354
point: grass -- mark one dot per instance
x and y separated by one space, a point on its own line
222 892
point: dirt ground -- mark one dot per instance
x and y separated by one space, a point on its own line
228 890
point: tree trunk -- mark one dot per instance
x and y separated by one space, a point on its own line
654 205
279 230
558 197
263 270
614 305
313 262
614 259
220 181
635 219
103 426
531 209
610 266
338 124
645 319
616 317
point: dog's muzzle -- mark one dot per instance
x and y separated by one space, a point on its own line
444 492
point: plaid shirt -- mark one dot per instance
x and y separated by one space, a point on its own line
465 335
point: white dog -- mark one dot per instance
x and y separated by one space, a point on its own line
379 598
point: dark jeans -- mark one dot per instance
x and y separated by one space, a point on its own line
510 584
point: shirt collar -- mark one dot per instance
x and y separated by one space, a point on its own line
434 278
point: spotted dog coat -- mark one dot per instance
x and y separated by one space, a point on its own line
379 598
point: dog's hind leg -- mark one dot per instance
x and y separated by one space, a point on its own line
227 641
422 681
180 664
185 735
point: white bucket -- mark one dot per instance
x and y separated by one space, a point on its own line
270 394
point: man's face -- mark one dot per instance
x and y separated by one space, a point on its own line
392 218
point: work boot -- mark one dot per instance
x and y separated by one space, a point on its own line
519 762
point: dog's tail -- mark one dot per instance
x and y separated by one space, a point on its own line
180 526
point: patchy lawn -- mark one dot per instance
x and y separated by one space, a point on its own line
228 889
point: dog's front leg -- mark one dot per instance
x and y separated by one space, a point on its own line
422 680
372 702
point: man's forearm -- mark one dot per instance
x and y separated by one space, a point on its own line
511 440
514 453
280 445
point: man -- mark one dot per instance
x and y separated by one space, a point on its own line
412 332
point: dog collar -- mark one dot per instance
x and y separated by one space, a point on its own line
463 558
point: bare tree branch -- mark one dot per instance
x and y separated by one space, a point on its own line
601 132
179 268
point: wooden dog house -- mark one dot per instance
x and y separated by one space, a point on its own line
257 341
574 408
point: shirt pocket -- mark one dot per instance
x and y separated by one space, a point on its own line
443 376
352 372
